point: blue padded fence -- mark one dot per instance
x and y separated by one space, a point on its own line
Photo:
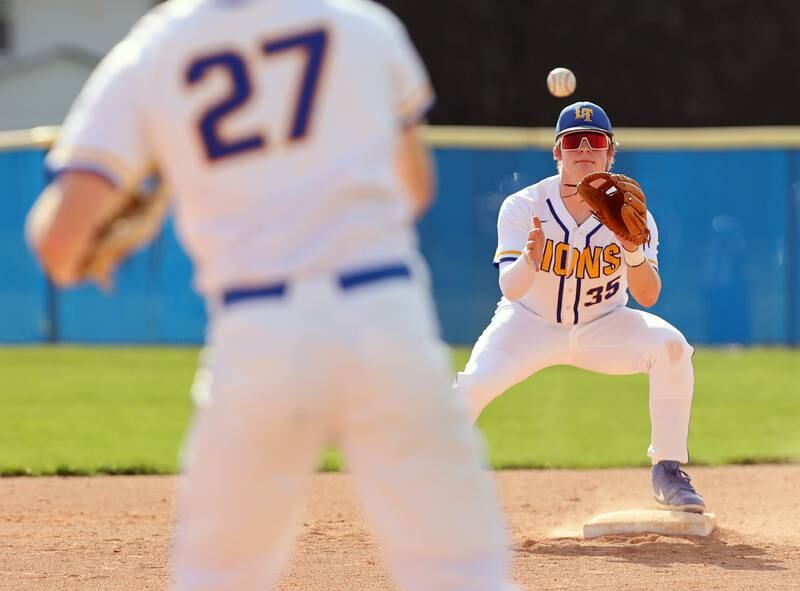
729 221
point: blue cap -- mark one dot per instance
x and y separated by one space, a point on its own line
583 115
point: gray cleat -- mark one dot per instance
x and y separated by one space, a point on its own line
673 490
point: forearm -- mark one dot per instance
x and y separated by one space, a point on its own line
516 278
415 168
64 220
644 284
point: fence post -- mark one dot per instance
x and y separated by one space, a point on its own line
792 254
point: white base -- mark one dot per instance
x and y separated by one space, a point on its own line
669 523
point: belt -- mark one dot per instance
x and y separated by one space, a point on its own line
346 281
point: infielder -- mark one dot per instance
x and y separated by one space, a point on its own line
564 278
288 133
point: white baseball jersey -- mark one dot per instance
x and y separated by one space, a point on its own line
583 275
276 136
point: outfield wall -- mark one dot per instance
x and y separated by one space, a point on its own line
727 202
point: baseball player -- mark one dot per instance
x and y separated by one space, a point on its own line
565 279
288 134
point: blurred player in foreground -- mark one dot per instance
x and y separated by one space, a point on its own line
288 133
564 278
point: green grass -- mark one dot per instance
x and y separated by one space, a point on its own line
70 410
81 410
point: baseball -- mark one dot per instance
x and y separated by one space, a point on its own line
561 82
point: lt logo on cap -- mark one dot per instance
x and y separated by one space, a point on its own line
584 113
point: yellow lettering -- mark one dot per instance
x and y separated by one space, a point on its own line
561 257
589 263
547 258
612 259
576 254
585 113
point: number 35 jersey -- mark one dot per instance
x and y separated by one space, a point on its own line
583 275
275 124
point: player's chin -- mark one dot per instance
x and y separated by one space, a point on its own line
584 167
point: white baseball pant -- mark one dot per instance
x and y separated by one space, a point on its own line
517 344
363 368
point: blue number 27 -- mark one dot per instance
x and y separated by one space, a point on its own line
313 43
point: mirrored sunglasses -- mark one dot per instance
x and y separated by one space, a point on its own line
595 139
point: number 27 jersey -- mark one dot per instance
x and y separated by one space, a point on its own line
275 124
583 275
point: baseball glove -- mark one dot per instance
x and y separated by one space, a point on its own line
619 203
134 226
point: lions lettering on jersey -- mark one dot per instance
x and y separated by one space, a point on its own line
590 262
582 274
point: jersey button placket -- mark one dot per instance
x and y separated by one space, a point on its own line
571 281
569 301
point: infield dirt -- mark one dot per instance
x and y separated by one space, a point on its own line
103 533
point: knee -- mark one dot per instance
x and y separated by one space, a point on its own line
672 346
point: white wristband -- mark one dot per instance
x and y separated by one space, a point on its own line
633 258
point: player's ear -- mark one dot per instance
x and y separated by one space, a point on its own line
557 152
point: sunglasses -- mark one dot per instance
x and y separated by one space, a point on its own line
595 139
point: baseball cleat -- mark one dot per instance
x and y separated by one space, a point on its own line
673 490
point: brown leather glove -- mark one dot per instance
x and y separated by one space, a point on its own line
135 225
619 203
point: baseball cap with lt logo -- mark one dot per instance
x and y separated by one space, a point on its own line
583 116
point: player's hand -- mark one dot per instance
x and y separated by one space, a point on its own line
534 248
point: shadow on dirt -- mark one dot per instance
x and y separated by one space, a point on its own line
658 551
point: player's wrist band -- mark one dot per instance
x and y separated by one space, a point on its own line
634 258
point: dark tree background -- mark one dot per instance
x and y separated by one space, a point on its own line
648 62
